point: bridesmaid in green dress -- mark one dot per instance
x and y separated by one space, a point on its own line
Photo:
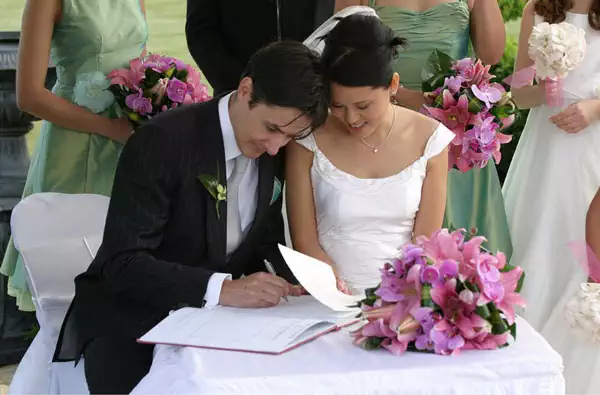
474 198
78 147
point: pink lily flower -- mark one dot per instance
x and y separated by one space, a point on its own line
453 114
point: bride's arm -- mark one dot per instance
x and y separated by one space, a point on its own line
300 203
532 95
433 197
592 225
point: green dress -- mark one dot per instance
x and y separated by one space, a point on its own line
474 198
91 36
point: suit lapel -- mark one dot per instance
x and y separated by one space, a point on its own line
213 164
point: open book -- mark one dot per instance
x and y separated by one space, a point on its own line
272 330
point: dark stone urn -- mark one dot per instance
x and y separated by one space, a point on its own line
16 327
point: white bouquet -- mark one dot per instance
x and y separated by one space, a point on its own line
583 311
556 49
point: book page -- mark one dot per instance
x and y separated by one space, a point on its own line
319 280
305 306
234 329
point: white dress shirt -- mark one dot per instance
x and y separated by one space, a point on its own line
247 194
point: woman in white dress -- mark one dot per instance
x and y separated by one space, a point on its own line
374 176
551 181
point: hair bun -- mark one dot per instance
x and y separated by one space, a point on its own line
398 42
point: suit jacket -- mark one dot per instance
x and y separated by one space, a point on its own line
163 239
222 35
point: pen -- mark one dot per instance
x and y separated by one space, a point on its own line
271 270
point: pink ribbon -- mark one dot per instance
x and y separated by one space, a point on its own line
586 258
524 77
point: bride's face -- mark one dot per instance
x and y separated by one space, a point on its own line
361 109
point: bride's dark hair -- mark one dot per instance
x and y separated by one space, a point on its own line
359 51
554 11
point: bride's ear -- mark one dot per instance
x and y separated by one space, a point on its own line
395 84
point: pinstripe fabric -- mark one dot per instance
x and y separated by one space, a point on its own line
162 238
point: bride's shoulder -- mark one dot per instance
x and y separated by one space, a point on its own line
418 123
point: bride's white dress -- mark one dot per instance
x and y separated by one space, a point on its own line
363 223
550 184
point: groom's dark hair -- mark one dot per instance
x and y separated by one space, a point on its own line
289 74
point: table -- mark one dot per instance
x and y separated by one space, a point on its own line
332 365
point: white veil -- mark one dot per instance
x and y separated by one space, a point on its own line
316 42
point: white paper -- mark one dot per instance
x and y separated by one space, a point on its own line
319 280
234 329
305 306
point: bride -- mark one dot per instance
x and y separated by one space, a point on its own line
374 176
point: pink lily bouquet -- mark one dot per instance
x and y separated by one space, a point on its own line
464 98
443 295
154 84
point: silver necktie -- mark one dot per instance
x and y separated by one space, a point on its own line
234 223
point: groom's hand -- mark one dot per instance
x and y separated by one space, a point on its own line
257 290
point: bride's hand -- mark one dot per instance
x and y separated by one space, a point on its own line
343 287
577 116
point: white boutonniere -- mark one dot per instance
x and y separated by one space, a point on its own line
215 189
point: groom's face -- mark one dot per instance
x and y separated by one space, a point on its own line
265 128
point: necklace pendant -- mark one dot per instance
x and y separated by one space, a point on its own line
375 150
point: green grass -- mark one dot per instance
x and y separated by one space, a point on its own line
166 20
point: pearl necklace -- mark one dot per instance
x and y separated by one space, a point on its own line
375 148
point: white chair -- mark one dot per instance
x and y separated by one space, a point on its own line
57 236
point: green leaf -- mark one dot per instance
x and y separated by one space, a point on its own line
483 312
513 330
520 283
437 67
426 300
499 324
210 184
373 343
475 105
181 75
151 78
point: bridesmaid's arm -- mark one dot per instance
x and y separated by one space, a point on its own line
532 95
341 4
300 202
592 225
430 216
143 7
488 33
38 22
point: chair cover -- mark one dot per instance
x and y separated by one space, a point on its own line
57 236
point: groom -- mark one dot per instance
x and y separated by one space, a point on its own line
196 204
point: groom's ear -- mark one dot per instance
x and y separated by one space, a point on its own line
245 89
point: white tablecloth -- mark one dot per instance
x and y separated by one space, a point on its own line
332 365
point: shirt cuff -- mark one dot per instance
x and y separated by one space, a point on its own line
213 290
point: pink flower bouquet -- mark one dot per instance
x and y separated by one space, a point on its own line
443 295
463 97
155 84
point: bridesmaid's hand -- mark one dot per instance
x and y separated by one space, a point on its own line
577 116
407 98
120 130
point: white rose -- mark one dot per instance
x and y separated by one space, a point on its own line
556 49
583 311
